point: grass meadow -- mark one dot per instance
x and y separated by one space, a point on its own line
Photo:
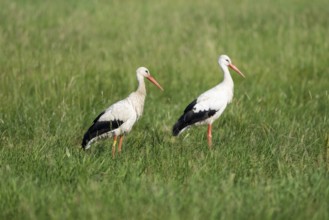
63 62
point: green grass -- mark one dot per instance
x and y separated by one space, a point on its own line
62 62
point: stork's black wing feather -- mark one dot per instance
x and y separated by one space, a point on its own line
96 119
99 128
190 117
190 106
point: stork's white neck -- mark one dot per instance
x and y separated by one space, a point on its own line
228 81
141 86
137 98
227 84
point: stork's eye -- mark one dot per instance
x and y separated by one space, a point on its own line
227 60
146 71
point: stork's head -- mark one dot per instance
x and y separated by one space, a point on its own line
226 61
144 72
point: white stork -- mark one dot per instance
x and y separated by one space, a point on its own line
210 104
119 118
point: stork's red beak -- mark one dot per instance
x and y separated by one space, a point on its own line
236 70
154 82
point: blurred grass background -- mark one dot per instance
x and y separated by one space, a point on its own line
63 62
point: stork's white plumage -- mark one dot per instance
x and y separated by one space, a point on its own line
119 118
210 104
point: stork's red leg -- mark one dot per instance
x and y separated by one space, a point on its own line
120 143
209 136
113 145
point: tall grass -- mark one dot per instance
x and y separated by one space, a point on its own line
62 62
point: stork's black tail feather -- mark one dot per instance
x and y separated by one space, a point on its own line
99 128
189 118
85 140
180 125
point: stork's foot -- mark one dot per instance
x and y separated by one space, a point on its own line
114 145
209 137
120 144
209 143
